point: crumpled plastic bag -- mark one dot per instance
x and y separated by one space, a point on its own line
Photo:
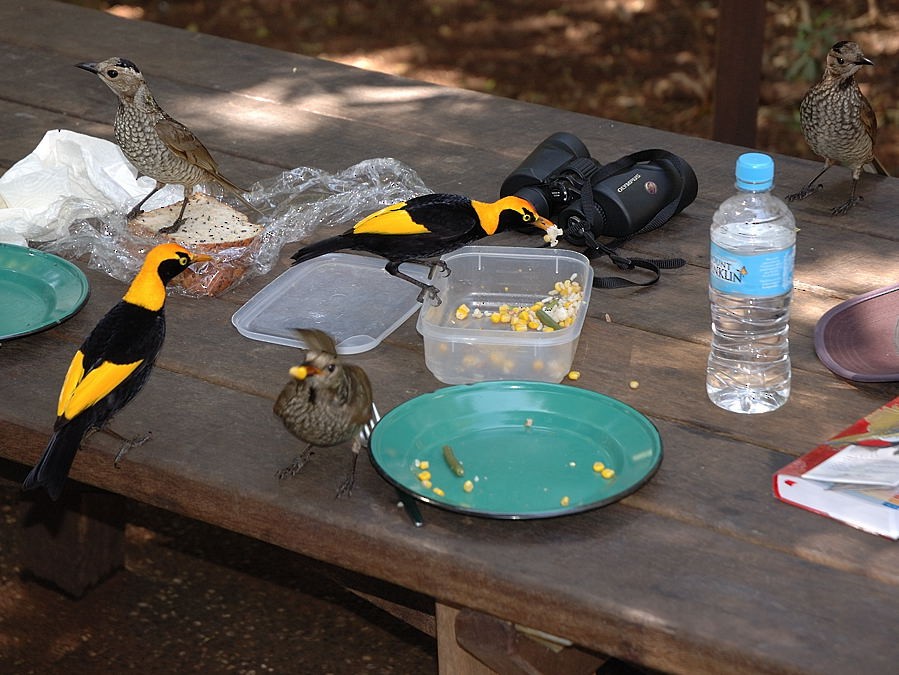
68 167
94 187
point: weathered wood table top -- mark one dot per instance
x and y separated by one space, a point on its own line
702 570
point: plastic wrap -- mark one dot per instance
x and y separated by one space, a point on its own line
69 196
293 205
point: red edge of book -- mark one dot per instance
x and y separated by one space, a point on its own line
883 518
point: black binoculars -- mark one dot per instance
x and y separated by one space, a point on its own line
588 199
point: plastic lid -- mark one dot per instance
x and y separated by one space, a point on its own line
755 171
350 297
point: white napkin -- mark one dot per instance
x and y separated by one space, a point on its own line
68 169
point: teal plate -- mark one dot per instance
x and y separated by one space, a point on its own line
528 448
37 291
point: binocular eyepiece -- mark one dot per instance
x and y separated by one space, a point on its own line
588 199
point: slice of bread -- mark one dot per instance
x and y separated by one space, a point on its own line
211 227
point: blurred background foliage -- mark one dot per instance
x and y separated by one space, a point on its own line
649 62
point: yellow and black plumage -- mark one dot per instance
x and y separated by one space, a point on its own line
425 227
111 365
326 402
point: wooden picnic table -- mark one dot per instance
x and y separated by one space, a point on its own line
701 570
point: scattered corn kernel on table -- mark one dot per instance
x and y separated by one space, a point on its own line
701 570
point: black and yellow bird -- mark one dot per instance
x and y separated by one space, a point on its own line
325 403
111 365
426 227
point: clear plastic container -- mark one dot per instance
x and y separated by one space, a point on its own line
483 278
351 297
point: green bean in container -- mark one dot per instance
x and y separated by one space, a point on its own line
452 461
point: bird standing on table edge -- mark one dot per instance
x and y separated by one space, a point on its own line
326 402
425 227
153 141
838 122
111 366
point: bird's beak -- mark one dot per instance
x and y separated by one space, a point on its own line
200 257
543 223
302 372
864 61
88 66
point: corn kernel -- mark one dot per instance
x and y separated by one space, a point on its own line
534 325
426 484
462 311
607 473
574 375
633 384
564 501
438 492
468 486
424 475
598 466
424 464
495 317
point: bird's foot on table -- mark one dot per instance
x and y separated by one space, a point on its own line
345 489
845 206
128 444
804 192
295 466
134 213
174 227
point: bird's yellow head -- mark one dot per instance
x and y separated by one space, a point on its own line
509 213
162 264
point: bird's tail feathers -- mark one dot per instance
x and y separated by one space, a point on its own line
322 247
53 467
236 190
879 168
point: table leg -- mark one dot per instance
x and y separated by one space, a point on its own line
75 543
486 644
452 659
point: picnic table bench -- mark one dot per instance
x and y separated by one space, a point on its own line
701 570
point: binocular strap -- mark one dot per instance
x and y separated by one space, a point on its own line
595 249
653 266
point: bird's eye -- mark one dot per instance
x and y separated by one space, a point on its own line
527 217
840 60
112 74
331 367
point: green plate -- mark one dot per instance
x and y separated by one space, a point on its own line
528 448
37 291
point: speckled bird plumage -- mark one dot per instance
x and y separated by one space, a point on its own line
837 120
326 402
158 145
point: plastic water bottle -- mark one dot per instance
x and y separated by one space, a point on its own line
750 288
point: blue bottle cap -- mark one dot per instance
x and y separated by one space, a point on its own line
755 171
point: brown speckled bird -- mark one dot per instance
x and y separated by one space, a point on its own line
325 403
838 121
158 145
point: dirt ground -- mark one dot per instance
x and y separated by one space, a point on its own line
649 62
